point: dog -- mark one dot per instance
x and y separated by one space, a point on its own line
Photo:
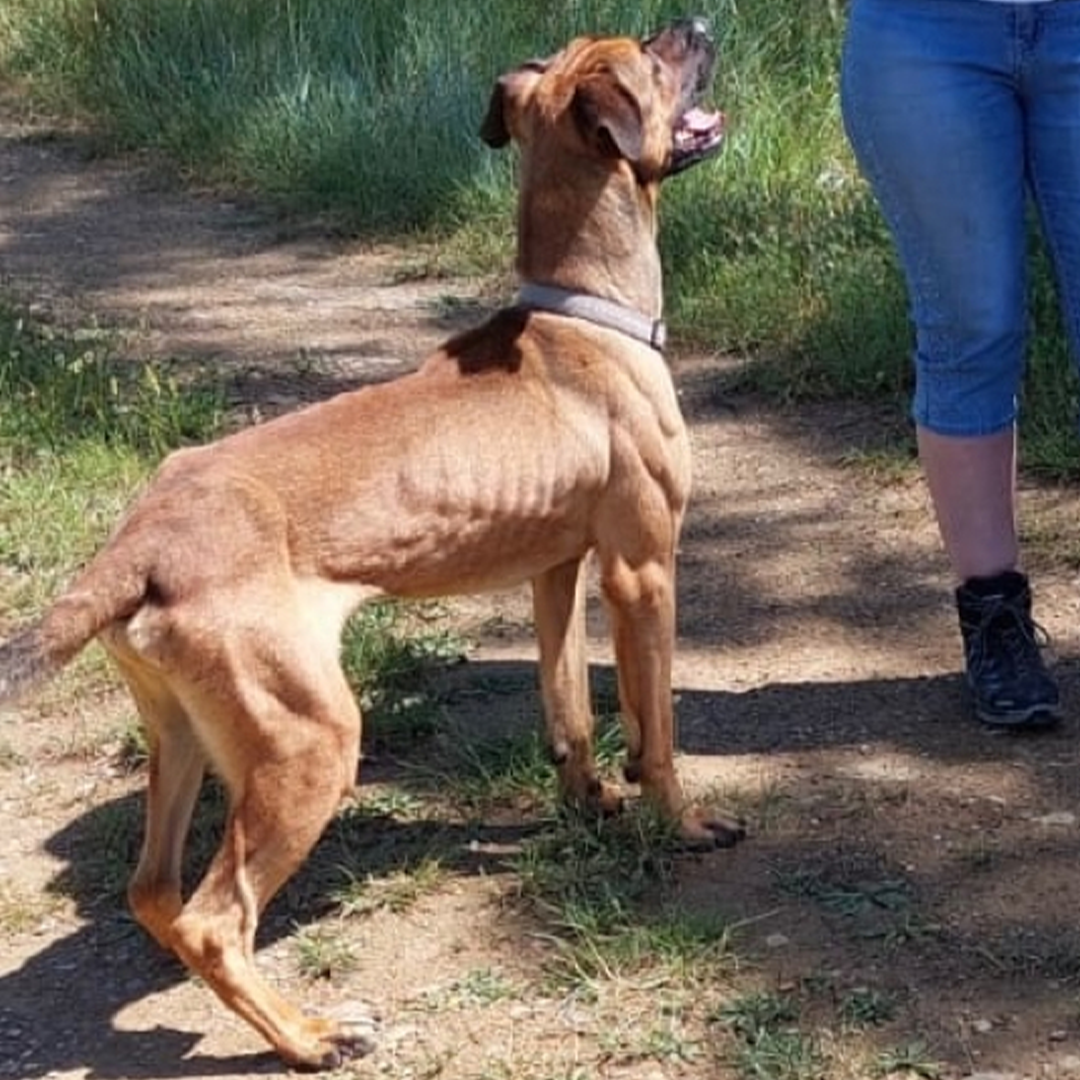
520 447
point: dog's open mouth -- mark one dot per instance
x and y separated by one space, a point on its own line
698 134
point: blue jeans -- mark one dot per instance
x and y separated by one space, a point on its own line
958 111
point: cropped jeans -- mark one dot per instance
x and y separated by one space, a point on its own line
961 114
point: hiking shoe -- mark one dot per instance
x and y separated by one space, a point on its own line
1003 653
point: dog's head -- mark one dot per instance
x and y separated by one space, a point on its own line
621 99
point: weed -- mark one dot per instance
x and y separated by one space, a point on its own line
771 1047
750 1015
20 913
593 946
886 466
480 987
843 897
600 889
598 869
132 748
391 644
480 774
10 758
395 892
389 803
670 1042
908 929
60 388
783 1055
55 509
79 429
910 1059
865 1007
322 952
390 650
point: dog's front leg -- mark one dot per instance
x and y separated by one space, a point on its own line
559 609
641 605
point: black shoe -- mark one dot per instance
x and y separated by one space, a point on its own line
1003 653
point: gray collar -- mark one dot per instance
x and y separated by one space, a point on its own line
594 309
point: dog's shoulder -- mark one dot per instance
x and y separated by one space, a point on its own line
493 346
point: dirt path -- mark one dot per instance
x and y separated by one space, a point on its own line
816 674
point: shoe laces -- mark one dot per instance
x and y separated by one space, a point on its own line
1007 620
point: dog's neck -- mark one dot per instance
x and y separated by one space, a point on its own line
594 309
589 227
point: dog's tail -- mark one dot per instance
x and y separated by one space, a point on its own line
107 590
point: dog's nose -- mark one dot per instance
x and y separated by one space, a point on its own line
694 26
692 31
683 38
700 27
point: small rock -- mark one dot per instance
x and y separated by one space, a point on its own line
777 941
1064 819
982 1027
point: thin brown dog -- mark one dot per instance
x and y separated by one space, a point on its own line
551 431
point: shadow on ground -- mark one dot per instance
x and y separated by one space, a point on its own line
831 837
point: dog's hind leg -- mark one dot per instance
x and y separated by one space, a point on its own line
282 730
559 610
176 768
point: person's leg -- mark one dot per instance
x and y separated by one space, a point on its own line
937 127
938 131
1051 96
972 482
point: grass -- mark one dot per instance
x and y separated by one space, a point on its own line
603 891
396 890
367 115
79 430
63 388
22 911
478 988
323 952
911 1059
865 1006
770 1045
388 650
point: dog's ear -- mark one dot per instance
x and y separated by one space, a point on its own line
609 118
506 101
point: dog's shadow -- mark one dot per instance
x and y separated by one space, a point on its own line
58 1009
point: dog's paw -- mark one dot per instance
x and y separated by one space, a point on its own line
700 827
344 1034
596 798
606 799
